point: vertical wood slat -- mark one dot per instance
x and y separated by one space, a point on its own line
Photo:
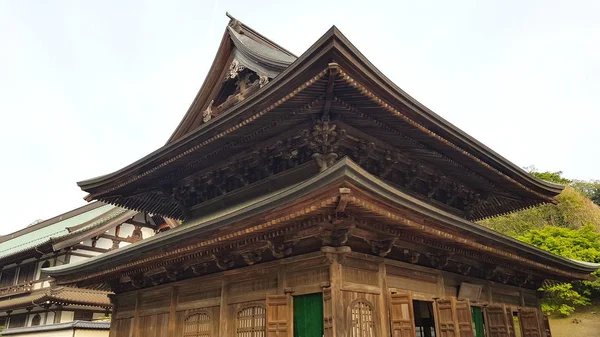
446 318
464 318
327 313
278 316
529 323
172 312
546 325
402 318
496 324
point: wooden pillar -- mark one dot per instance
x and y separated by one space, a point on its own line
136 317
384 300
334 256
224 314
173 312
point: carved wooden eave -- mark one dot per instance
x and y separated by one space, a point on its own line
389 133
341 206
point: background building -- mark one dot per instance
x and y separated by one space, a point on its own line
29 302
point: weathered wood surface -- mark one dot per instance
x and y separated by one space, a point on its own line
361 294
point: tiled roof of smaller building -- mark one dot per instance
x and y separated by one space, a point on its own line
74 325
47 231
60 295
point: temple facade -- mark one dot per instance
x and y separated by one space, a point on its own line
319 199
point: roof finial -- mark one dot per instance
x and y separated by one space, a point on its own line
234 23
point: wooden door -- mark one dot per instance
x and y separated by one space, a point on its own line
530 326
402 318
278 316
546 325
463 318
496 325
446 318
308 315
477 318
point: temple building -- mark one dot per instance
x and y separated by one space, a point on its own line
319 199
30 304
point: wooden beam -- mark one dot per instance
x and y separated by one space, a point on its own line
333 70
117 238
91 249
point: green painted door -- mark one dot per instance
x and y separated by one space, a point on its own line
308 315
477 316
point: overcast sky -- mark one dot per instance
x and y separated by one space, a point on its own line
87 87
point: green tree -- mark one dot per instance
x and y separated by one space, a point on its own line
554 177
579 244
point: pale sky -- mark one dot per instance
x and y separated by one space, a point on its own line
87 87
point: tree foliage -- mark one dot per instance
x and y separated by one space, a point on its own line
570 229
573 211
579 244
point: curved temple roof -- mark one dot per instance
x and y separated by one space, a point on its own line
343 173
358 82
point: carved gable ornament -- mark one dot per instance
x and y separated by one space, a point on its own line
239 83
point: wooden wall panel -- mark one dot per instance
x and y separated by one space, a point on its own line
401 315
424 285
307 276
530 324
252 285
496 324
153 301
126 305
464 318
446 318
121 327
279 316
153 325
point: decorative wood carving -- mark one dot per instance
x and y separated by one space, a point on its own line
438 261
252 257
413 257
280 249
382 247
324 140
224 261
463 268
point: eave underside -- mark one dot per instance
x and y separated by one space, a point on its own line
375 134
344 212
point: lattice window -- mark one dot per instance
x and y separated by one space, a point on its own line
198 324
362 319
251 322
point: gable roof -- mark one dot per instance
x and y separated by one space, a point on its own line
418 130
207 231
50 235
59 295
243 43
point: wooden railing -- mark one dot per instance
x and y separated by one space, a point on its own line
24 287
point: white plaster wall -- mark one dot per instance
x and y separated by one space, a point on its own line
75 258
126 230
50 318
104 243
59 333
67 316
91 333
97 316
